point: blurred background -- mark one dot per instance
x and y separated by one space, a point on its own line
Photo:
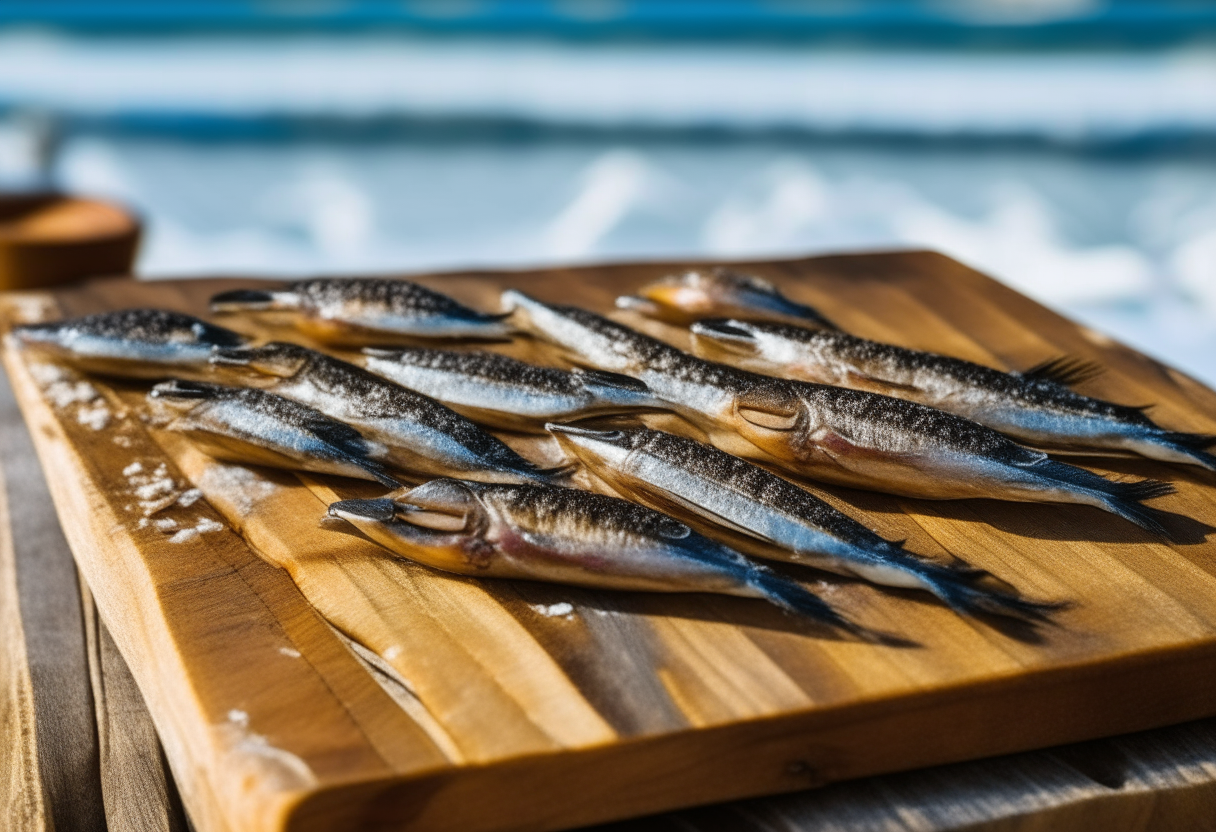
1067 147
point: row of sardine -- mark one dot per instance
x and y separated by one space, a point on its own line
323 414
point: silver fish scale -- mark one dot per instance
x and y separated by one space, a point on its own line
488 367
887 423
579 513
293 414
373 397
755 483
653 355
1040 393
398 296
150 325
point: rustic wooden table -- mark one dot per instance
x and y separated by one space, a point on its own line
81 753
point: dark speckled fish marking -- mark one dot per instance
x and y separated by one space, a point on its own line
134 343
1033 407
509 393
567 536
697 482
366 310
423 435
247 425
849 437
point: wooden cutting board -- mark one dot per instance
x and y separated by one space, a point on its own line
304 679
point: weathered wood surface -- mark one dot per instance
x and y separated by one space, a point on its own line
1163 779
79 752
512 718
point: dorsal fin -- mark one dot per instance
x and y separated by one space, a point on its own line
1064 370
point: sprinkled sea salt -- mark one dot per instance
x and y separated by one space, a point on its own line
558 610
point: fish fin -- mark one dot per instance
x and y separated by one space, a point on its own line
218 336
958 589
793 598
603 378
859 376
378 472
1121 498
1064 370
1194 446
382 510
555 472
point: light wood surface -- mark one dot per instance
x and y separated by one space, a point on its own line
1161 779
515 719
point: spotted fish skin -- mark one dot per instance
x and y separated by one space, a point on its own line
566 536
1031 407
697 482
131 343
719 292
366 311
251 426
422 435
847 437
507 393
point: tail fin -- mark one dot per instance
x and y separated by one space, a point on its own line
959 590
253 300
1121 498
1192 446
791 597
1064 370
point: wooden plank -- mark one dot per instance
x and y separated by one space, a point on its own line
50 778
508 717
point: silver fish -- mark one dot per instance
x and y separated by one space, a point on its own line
1036 407
133 343
719 292
847 437
566 536
421 434
507 393
781 521
246 425
366 311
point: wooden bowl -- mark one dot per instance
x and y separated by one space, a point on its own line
49 238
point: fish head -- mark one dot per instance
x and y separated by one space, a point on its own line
254 300
278 358
771 417
678 299
177 396
601 451
725 339
440 523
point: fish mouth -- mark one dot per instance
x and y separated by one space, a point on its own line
382 510
251 300
181 389
586 433
233 356
726 334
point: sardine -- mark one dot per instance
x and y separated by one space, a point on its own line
717 293
507 393
847 437
421 435
366 311
250 426
1036 407
694 481
133 343
566 536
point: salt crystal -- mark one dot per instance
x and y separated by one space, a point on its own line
558 610
132 469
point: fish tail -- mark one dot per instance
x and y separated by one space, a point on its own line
254 300
1193 446
791 597
960 592
1121 498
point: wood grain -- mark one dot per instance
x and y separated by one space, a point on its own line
490 714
